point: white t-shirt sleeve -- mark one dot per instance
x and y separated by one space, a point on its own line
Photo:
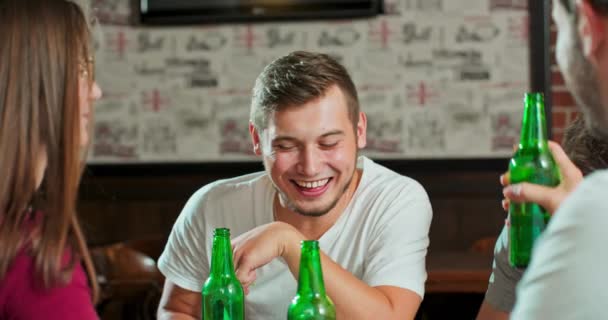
397 250
184 260
566 278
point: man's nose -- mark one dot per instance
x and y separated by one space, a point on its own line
309 162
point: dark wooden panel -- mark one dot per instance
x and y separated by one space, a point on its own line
458 272
466 202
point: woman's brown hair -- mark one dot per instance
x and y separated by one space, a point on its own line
42 46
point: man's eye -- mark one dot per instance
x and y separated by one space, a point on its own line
328 144
284 146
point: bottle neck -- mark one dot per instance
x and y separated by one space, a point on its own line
221 257
534 126
310 281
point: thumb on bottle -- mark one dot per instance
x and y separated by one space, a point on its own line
569 171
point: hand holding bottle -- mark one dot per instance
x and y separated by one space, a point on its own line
549 198
531 163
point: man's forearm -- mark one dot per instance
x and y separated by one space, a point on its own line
354 299
487 312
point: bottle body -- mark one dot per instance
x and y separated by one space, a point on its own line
533 163
311 308
528 220
223 300
222 294
311 302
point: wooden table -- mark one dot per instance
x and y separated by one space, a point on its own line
458 272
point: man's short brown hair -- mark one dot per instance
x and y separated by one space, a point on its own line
296 79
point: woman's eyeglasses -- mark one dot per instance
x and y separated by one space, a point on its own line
87 69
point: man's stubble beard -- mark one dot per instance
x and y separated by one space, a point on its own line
315 213
582 81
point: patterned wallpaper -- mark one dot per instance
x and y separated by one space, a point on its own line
436 78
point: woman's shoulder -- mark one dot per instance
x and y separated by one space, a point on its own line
21 289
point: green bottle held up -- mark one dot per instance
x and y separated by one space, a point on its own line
223 296
311 302
532 162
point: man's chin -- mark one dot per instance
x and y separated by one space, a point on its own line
312 212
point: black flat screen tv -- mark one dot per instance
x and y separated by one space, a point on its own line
218 11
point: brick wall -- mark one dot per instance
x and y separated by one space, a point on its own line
564 108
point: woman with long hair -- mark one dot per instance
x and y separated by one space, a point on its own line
46 94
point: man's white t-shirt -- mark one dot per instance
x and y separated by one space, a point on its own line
566 278
381 237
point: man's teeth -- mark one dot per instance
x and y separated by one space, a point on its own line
312 184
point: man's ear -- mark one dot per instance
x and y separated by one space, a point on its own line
255 139
362 131
591 29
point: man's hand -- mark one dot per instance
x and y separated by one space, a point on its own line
259 246
549 198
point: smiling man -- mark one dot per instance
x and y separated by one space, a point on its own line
372 223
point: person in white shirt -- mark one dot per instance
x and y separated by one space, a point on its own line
372 223
583 153
566 277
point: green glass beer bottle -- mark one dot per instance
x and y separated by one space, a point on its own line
532 162
311 302
223 297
